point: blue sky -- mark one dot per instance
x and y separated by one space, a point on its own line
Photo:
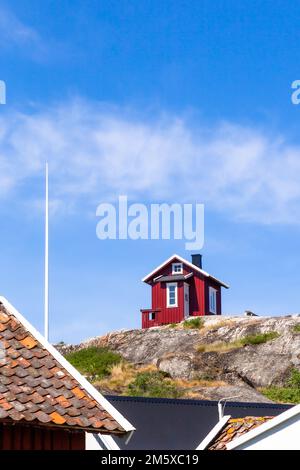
162 101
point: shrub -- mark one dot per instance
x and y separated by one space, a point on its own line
153 384
259 338
94 362
194 323
173 325
282 394
294 380
296 328
288 394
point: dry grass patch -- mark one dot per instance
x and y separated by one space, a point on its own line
121 375
220 347
191 384
220 324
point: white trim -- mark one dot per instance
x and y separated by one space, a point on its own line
184 261
272 423
186 289
109 442
213 433
212 291
69 368
173 268
169 284
100 442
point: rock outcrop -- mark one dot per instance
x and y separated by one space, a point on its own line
187 353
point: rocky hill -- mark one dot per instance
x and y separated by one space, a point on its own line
213 357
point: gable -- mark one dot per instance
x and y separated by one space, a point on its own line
167 270
188 266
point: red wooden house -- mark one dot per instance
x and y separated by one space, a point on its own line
181 289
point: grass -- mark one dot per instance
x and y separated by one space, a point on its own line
220 347
288 394
294 379
173 325
193 323
121 375
259 338
206 377
154 384
296 328
220 324
282 394
94 362
239 343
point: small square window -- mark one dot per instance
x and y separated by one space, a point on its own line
177 268
152 316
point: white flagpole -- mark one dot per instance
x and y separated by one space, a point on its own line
46 319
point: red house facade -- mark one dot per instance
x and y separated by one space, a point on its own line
181 289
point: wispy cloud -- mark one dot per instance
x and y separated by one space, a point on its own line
16 34
96 153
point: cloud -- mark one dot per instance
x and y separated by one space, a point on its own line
14 33
96 152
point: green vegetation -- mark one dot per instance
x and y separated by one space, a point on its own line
173 325
259 338
94 362
282 394
222 347
153 384
206 377
294 380
296 328
288 394
194 323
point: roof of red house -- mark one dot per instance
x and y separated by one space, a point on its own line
234 429
187 263
38 385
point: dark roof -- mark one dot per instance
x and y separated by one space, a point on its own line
163 423
36 388
235 428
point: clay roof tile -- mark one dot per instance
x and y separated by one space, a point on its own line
34 386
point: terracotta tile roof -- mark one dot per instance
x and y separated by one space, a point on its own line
35 387
234 429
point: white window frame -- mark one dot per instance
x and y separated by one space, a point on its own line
173 268
172 284
212 305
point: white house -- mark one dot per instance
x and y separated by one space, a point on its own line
256 433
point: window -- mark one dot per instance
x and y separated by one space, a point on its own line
172 294
152 316
177 268
212 300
